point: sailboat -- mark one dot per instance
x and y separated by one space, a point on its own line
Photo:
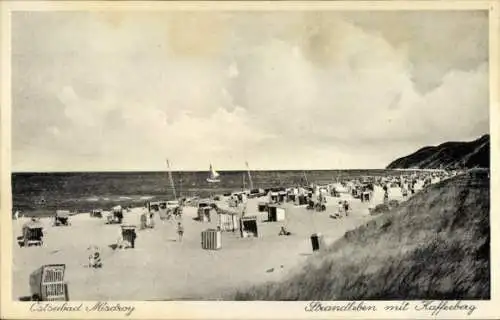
214 176
171 179
249 176
244 183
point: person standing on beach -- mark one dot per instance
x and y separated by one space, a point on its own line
16 216
346 207
180 231
144 220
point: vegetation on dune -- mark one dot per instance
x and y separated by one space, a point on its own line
434 246
449 155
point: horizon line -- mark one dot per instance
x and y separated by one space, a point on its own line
192 170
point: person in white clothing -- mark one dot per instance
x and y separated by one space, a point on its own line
340 208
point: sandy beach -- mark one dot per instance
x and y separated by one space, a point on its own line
161 268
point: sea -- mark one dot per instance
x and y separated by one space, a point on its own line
40 194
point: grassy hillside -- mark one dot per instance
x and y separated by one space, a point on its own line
434 246
454 155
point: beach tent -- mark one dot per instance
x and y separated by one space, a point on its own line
275 213
249 227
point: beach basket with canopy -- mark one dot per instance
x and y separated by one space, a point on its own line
129 234
317 242
262 206
116 215
211 239
47 283
228 219
96 213
301 200
159 207
275 213
163 212
61 218
32 234
204 209
174 207
249 227
366 196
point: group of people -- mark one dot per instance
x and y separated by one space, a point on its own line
236 199
343 208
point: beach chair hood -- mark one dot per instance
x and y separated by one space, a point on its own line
62 213
33 225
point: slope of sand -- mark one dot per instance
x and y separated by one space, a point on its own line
161 268
435 246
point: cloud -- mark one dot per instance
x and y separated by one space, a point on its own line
281 90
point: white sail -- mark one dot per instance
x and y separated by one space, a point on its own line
249 176
214 175
171 180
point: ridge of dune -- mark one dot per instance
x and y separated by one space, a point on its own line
434 246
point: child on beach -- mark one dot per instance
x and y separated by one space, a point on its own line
346 207
284 232
180 231
16 217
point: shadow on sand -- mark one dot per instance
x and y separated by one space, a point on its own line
25 298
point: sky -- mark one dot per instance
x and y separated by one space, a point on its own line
118 91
